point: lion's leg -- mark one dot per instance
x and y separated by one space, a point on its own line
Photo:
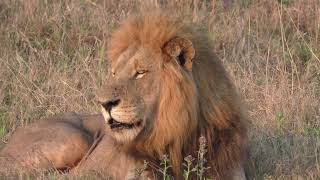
58 143
107 160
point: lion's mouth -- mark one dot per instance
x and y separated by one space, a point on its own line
116 125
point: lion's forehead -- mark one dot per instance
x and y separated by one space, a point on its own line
134 58
124 59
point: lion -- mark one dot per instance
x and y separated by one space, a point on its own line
164 90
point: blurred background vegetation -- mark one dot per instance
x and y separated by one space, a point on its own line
52 60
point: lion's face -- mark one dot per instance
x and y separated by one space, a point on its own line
130 96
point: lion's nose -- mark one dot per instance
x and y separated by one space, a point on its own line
108 105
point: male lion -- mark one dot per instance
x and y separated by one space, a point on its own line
164 90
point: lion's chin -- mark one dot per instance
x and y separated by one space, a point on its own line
125 136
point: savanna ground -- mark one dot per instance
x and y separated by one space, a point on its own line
52 59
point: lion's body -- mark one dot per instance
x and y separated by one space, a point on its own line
59 143
165 90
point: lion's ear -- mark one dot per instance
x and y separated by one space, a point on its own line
181 49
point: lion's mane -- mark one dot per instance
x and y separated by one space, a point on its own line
201 103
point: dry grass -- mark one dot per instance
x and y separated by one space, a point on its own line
52 60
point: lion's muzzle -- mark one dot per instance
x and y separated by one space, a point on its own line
118 119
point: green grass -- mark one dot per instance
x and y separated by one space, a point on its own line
52 60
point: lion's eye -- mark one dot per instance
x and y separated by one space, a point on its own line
139 74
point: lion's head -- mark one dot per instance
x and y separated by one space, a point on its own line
165 88
150 73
